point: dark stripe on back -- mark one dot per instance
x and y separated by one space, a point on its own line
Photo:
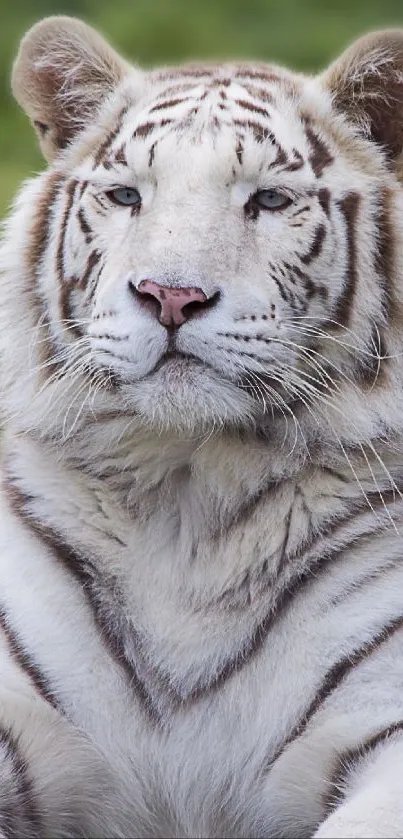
347 761
26 662
348 206
19 810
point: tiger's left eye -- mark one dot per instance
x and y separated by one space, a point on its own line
125 196
271 199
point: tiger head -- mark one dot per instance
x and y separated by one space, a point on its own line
212 245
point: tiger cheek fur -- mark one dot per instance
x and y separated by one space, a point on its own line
201 623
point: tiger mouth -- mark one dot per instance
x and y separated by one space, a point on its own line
179 357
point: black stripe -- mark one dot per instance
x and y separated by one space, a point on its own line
147 128
259 93
348 206
347 762
25 661
281 159
107 142
120 156
19 811
38 241
295 164
169 103
335 676
78 283
320 156
101 203
239 150
250 106
92 261
260 75
151 154
385 249
85 227
324 200
316 247
70 190
83 187
260 132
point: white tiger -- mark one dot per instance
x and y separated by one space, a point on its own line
201 600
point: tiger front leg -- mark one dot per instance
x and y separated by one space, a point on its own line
370 796
52 780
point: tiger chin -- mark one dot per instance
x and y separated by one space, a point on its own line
201 518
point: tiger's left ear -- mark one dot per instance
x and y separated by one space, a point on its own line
63 71
366 84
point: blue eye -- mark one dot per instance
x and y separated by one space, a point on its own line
271 199
126 196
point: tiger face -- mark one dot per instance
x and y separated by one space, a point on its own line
215 239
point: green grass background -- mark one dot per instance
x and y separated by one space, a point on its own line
303 34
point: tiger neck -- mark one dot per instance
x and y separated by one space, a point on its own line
208 484
186 490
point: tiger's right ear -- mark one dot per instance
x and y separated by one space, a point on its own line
366 85
63 71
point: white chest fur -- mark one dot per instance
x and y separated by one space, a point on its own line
190 646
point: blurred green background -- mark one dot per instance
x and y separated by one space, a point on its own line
303 34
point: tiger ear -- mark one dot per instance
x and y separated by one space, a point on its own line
366 84
63 71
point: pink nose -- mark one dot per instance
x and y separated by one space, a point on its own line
174 305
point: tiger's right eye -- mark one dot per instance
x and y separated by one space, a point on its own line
126 196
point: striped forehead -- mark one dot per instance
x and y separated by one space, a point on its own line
256 108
